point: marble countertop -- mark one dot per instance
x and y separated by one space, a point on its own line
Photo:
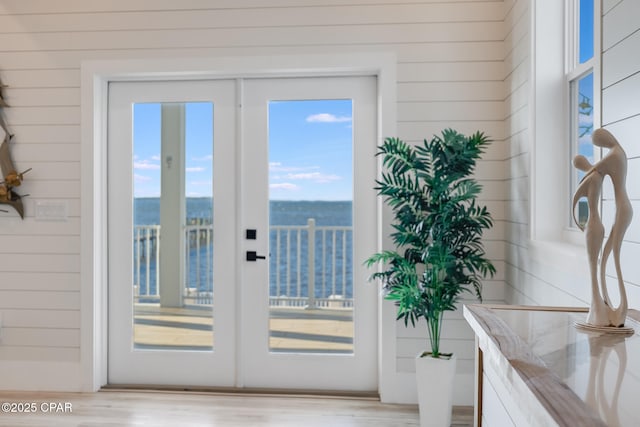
578 377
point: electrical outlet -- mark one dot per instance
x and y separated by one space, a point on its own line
51 210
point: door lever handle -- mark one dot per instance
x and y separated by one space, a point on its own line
253 256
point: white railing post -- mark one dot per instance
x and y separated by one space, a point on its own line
157 255
311 263
147 251
197 234
147 245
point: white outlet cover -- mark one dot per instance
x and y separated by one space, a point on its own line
51 210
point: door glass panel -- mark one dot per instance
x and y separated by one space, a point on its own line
310 220
173 231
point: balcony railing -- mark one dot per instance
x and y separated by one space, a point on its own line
309 266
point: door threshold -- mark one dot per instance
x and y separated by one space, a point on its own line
341 394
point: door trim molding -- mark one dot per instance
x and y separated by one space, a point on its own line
95 79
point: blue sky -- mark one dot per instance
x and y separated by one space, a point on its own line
585 84
310 150
586 31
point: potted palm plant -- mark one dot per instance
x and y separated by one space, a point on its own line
439 254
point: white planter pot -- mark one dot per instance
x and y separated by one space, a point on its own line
435 390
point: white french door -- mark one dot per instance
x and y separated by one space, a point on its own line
158 334
290 146
240 212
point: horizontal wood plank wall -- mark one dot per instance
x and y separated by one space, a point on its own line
451 73
518 158
526 280
621 116
529 279
534 280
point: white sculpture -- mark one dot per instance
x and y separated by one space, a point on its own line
614 164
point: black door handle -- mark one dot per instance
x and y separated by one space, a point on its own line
253 256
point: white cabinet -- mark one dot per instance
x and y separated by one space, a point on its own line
534 367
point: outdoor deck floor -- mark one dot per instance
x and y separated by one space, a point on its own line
291 329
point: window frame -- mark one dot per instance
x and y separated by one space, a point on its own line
574 72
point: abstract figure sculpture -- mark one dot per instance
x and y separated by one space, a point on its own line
602 313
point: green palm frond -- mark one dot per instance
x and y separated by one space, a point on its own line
437 227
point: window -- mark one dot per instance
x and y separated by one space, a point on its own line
583 82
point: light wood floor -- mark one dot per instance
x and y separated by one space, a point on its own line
173 409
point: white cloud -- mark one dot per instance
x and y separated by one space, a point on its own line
300 173
206 158
142 178
313 176
277 167
145 165
194 169
327 118
287 186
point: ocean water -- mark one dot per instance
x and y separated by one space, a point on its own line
281 212
333 247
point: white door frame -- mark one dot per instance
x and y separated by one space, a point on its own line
95 77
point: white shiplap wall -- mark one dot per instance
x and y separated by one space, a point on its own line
451 72
517 129
621 116
540 270
467 93
533 275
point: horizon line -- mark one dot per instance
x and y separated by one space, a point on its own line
271 200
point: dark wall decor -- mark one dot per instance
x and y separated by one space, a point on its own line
12 178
